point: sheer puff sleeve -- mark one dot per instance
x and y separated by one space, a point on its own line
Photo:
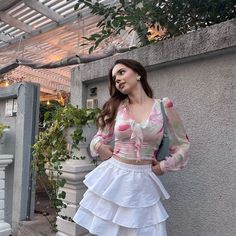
103 136
179 142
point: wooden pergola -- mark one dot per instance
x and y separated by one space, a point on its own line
42 32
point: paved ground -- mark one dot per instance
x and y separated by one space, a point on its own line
40 225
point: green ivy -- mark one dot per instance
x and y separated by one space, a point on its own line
51 148
176 16
46 112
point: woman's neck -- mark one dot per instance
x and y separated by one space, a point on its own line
138 98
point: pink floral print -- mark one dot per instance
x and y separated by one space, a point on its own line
137 141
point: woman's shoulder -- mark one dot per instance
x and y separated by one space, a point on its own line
123 104
167 102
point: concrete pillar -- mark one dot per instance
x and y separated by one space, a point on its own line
73 172
5 228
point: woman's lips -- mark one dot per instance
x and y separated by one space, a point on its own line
121 86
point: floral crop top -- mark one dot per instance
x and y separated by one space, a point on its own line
139 141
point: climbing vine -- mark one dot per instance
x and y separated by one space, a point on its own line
51 148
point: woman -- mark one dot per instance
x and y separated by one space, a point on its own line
124 191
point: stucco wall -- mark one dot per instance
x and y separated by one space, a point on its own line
198 72
8 148
19 195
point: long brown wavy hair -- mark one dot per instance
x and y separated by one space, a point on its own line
109 110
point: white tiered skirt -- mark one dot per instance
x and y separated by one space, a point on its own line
123 200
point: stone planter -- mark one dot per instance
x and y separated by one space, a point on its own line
88 132
74 171
5 228
82 152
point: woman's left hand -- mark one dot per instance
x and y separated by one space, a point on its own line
156 168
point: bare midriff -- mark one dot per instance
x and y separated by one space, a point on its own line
132 162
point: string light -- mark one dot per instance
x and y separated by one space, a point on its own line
4 83
9 79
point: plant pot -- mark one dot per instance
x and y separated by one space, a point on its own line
88 132
82 151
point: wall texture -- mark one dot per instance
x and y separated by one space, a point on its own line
23 131
198 72
7 149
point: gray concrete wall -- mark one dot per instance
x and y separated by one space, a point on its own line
8 148
198 72
24 128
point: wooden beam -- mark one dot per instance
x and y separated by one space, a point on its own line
59 33
5 37
5 5
46 75
58 43
44 83
44 29
8 19
46 90
66 72
44 10
84 19
45 98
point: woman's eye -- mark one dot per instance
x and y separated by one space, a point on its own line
121 72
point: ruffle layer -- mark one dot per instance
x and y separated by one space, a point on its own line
123 200
109 181
124 216
100 227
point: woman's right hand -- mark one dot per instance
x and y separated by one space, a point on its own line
105 152
156 168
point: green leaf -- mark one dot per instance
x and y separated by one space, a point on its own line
91 49
83 44
61 182
62 195
89 39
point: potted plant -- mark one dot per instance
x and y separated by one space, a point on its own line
58 142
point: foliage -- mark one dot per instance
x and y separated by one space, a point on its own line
51 149
2 127
46 112
176 16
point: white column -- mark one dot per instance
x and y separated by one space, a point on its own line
73 172
5 160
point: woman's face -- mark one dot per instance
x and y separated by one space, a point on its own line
125 78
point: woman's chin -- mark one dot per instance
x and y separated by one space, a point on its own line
124 91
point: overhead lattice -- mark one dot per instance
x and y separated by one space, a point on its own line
44 31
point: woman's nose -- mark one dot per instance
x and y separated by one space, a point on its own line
117 80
